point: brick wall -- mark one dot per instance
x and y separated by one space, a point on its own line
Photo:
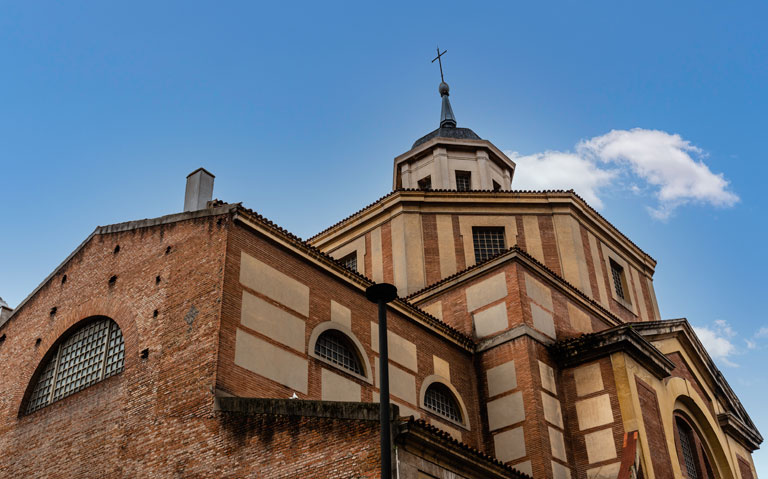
654 430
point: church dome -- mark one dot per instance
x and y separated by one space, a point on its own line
448 132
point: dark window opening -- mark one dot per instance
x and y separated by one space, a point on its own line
425 183
338 349
488 242
496 186
618 279
463 180
350 261
440 399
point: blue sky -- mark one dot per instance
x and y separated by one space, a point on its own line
299 111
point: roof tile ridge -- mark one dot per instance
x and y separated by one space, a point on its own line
463 445
313 250
356 213
516 248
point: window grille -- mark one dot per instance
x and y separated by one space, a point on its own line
440 399
488 242
463 180
350 261
688 451
618 272
88 355
425 183
336 348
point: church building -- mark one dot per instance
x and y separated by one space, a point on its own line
526 341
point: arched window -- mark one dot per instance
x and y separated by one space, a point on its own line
335 347
691 451
439 399
88 354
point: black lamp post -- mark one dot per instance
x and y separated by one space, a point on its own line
381 294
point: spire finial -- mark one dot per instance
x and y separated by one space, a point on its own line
447 120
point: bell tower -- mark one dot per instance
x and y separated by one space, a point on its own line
452 158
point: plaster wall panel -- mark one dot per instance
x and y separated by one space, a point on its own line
401 383
609 471
445 245
341 314
399 259
505 411
525 467
580 320
491 320
441 367
377 261
273 284
653 299
538 292
552 412
466 223
400 349
501 378
414 242
557 444
547 375
338 388
435 309
559 471
588 379
273 363
533 237
486 292
273 322
594 412
572 257
543 320
509 445
639 294
601 295
600 445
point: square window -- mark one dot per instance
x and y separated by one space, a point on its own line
425 183
463 180
619 280
350 261
488 242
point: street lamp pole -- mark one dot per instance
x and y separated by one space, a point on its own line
381 294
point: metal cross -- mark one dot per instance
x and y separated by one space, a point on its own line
440 62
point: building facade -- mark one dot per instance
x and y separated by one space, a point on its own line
526 340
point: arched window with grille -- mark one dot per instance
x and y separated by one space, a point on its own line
87 354
691 450
440 399
335 347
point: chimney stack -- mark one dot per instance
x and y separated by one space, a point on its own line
199 190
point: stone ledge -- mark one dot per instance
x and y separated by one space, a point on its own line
361 411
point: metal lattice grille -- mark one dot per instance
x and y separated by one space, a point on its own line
687 447
334 347
350 261
488 242
91 353
439 399
463 180
617 271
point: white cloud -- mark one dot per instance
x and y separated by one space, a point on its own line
665 165
717 341
554 170
762 332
